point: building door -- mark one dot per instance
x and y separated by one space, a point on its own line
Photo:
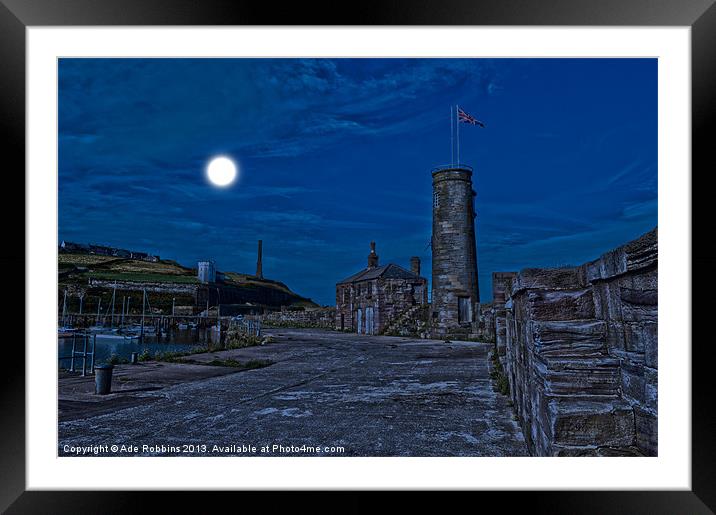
464 311
369 321
359 321
343 322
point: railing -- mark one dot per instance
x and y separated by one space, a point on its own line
83 354
456 166
247 326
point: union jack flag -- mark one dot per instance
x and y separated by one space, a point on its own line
463 117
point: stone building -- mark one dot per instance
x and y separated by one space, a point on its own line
368 301
206 272
455 297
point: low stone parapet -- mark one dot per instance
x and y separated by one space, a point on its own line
324 318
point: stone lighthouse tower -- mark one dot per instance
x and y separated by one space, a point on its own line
455 293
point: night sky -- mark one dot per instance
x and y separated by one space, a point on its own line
334 153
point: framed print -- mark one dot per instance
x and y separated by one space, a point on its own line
418 252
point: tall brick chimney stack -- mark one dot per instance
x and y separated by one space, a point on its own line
259 266
415 265
372 257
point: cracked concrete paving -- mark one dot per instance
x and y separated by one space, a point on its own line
371 395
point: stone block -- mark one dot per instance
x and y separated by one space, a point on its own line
501 285
646 432
651 345
589 451
587 423
613 301
633 383
550 278
651 389
565 451
561 304
579 377
645 281
610 264
633 358
642 252
636 255
639 297
607 302
621 452
615 336
569 338
599 295
638 336
592 270
639 305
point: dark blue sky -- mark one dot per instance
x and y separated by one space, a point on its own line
335 153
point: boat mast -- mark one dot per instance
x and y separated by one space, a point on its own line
114 293
144 302
64 310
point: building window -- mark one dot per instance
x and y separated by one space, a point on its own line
464 313
436 200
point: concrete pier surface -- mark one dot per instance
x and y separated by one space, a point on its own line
326 393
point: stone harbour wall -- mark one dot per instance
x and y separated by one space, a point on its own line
320 318
413 322
580 349
501 286
484 327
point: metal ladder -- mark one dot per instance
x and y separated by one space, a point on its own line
84 354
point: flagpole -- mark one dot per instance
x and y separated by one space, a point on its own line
457 128
452 139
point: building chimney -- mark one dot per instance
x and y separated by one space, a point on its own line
259 271
372 257
415 265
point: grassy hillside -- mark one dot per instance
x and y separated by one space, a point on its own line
75 271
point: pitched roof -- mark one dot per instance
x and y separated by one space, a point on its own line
389 271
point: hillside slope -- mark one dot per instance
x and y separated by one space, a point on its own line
92 274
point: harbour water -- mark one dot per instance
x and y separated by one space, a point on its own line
108 345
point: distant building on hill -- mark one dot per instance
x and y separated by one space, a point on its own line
206 272
68 246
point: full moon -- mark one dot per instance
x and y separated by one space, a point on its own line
221 171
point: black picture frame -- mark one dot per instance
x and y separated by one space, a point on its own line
17 15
